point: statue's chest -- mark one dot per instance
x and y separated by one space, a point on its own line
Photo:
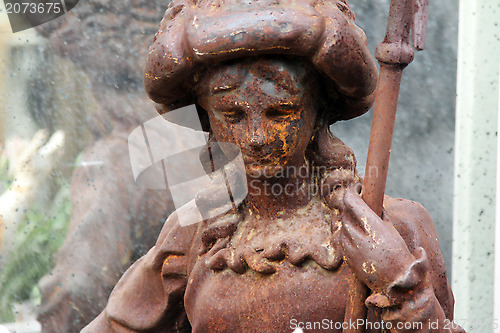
271 276
225 301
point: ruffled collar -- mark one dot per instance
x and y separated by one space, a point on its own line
310 234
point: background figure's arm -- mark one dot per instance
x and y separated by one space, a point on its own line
31 168
102 240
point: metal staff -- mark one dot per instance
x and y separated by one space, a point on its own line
393 55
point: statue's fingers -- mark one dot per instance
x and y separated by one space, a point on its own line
356 210
364 217
361 265
348 248
350 230
360 241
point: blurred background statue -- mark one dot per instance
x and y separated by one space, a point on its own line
113 220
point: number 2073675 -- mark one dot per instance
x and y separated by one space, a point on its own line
33 8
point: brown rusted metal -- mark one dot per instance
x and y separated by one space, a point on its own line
379 150
265 83
213 31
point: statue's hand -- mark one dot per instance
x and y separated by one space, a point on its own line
376 252
335 185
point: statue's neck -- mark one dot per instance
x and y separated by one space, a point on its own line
273 196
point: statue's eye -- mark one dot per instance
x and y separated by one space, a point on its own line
281 111
233 115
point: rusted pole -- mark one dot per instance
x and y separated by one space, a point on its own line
393 54
379 150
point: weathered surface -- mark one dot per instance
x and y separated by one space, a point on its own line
420 125
288 255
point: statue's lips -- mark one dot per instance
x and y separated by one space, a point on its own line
257 159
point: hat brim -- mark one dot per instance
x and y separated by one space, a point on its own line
194 38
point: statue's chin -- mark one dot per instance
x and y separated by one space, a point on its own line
268 171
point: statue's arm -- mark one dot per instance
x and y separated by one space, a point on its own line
149 296
424 290
399 259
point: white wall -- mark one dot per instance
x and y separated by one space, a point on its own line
496 313
476 164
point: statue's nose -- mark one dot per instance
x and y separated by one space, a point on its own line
257 135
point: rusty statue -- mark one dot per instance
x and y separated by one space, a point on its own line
270 77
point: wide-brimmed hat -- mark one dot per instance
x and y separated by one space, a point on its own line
195 34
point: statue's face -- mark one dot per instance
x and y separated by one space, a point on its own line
266 107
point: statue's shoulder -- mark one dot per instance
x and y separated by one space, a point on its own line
178 232
413 222
405 208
